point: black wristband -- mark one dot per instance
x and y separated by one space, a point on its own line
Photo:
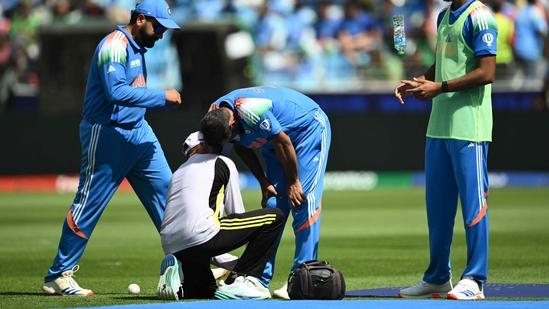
444 86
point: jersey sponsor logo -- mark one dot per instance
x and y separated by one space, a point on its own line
265 125
488 38
135 63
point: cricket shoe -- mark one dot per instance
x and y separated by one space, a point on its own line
282 293
426 290
170 282
466 289
243 288
66 285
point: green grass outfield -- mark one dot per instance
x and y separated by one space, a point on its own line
377 238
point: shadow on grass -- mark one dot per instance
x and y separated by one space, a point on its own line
24 293
139 298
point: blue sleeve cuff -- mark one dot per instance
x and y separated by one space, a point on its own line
481 53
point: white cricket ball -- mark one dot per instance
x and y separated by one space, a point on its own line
134 289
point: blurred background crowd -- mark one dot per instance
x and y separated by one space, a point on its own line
307 44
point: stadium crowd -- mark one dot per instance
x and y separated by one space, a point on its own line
306 44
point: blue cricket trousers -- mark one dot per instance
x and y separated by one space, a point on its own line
312 155
456 168
110 154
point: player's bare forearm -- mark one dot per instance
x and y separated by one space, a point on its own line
405 86
429 74
482 75
251 160
425 89
286 155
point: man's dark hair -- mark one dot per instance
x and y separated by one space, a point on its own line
215 127
133 18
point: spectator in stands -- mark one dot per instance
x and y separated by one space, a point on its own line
331 66
531 29
23 34
506 32
358 33
270 35
329 18
65 13
7 74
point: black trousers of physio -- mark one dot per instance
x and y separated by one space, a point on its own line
258 228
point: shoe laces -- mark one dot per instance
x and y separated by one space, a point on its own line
253 282
68 276
239 279
421 284
468 284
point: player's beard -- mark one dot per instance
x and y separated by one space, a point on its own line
145 39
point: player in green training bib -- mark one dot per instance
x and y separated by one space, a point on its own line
458 134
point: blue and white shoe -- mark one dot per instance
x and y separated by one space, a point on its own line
243 288
466 289
66 285
170 282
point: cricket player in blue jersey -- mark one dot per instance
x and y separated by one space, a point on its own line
456 151
294 136
116 140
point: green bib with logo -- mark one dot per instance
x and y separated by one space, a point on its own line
466 114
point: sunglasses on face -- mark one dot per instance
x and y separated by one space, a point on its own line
157 27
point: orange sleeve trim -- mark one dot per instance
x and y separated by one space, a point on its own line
311 220
73 226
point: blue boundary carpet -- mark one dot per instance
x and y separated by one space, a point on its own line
491 290
343 304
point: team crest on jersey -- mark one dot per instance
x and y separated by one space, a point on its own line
265 125
488 38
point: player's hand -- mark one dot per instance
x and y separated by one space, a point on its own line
296 194
173 96
267 190
424 89
402 88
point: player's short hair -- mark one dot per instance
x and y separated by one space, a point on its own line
133 17
215 127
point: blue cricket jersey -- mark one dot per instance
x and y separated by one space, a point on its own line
116 90
479 29
267 110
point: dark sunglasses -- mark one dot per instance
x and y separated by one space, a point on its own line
157 27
